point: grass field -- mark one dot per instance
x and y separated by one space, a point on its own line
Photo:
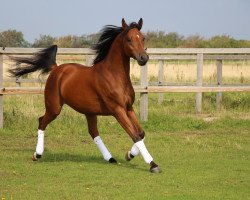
203 156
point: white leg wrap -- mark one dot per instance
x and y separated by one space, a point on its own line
40 142
101 146
134 150
144 152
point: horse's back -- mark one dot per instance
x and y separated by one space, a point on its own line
68 74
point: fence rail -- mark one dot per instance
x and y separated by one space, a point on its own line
139 89
162 55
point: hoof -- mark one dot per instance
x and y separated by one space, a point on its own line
155 170
35 157
128 156
112 160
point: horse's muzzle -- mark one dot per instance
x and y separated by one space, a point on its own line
142 59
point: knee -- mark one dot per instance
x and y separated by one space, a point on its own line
142 134
139 136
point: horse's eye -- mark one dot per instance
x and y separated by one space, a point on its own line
143 39
129 40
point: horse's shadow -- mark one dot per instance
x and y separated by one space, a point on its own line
50 157
69 157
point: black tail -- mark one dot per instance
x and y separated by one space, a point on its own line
43 61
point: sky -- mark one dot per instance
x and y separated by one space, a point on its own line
77 17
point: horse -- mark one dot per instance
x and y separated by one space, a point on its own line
105 88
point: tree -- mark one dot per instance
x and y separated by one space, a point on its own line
44 41
152 39
223 41
73 41
80 42
173 39
13 38
163 40
194 41
64 41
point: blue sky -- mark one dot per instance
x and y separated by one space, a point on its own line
77 17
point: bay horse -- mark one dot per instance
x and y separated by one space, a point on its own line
102 89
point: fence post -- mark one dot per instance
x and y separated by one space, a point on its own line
219 82
1 86
199 82
18 83
160 80
144 95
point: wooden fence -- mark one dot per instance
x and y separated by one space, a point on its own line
162 55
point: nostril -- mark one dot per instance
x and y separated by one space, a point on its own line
141 58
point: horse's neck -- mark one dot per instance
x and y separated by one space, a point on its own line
118 63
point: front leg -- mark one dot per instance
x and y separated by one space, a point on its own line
137 135
133 118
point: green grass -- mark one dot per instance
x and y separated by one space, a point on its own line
202 156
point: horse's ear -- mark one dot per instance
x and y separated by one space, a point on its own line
140 23
124 24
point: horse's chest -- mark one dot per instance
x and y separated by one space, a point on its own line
123 96
128 98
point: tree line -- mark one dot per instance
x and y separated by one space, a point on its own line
154 39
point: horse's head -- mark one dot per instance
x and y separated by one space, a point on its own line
133 42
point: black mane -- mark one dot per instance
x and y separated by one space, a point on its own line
108 35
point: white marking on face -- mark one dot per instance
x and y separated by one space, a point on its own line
138 36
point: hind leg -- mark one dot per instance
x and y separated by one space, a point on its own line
53 109
93 131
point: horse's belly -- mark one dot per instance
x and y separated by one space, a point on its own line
87 105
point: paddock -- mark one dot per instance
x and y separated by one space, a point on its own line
202 156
